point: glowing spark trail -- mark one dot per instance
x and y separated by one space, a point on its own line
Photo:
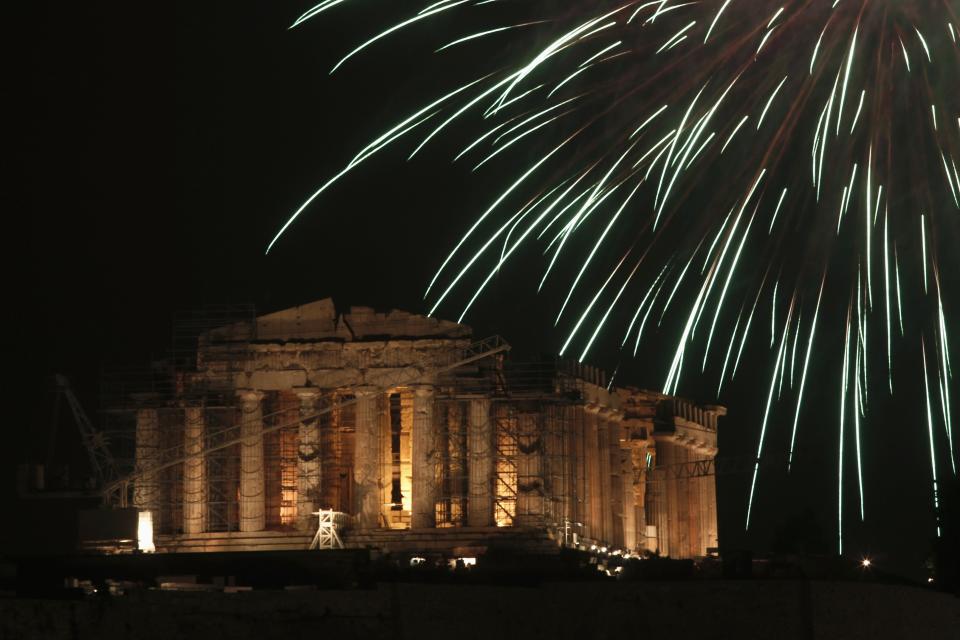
933 455
766 413
803 376
610 141
843 411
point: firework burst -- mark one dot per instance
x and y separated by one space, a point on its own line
721 160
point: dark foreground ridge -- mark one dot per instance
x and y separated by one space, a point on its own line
351 594
782 609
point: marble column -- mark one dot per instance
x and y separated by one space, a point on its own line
252 483
366 470
686 535
606 489
711 531
578 472
146 489
629 499
406 467
638 466
425 458
308 458
455 473
193 470
480 457
386 460
529 462
594 520
616 478
667 534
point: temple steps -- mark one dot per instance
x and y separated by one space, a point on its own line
465 541
234 541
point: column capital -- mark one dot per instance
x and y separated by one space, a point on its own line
611 414
422 390
307 394
365 390
250 396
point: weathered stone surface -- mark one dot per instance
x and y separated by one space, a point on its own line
252 487
309 456
425 459
407 448
193 471
146 490
366 461
319 321
480 464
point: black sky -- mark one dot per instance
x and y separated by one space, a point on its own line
165 145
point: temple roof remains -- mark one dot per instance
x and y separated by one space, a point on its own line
319 320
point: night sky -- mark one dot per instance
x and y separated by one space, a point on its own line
165 147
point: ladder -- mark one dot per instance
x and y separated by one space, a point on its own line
326 536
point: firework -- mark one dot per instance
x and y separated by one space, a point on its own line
708 155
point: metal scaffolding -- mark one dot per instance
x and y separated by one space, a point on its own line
509 443
535 408
198 382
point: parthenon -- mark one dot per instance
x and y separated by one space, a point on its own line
418 437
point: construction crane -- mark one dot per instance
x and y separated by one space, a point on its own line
116 492
102 462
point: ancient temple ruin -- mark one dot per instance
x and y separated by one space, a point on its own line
417 436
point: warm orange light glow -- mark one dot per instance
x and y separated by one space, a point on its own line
145 532
288 476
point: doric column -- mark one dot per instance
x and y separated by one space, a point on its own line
667 526
424 455
618 497
308 457
252 485
686 530
385 457
638 459
606 492
529 460
146 489
578 472
711 532
193 470
406 466
480 464
591 450
456 488
366 469
629 501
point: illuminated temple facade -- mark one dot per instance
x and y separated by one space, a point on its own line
422 438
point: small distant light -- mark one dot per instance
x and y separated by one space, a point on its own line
866 563
593 547
145 532
929 580
603 549
417 561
